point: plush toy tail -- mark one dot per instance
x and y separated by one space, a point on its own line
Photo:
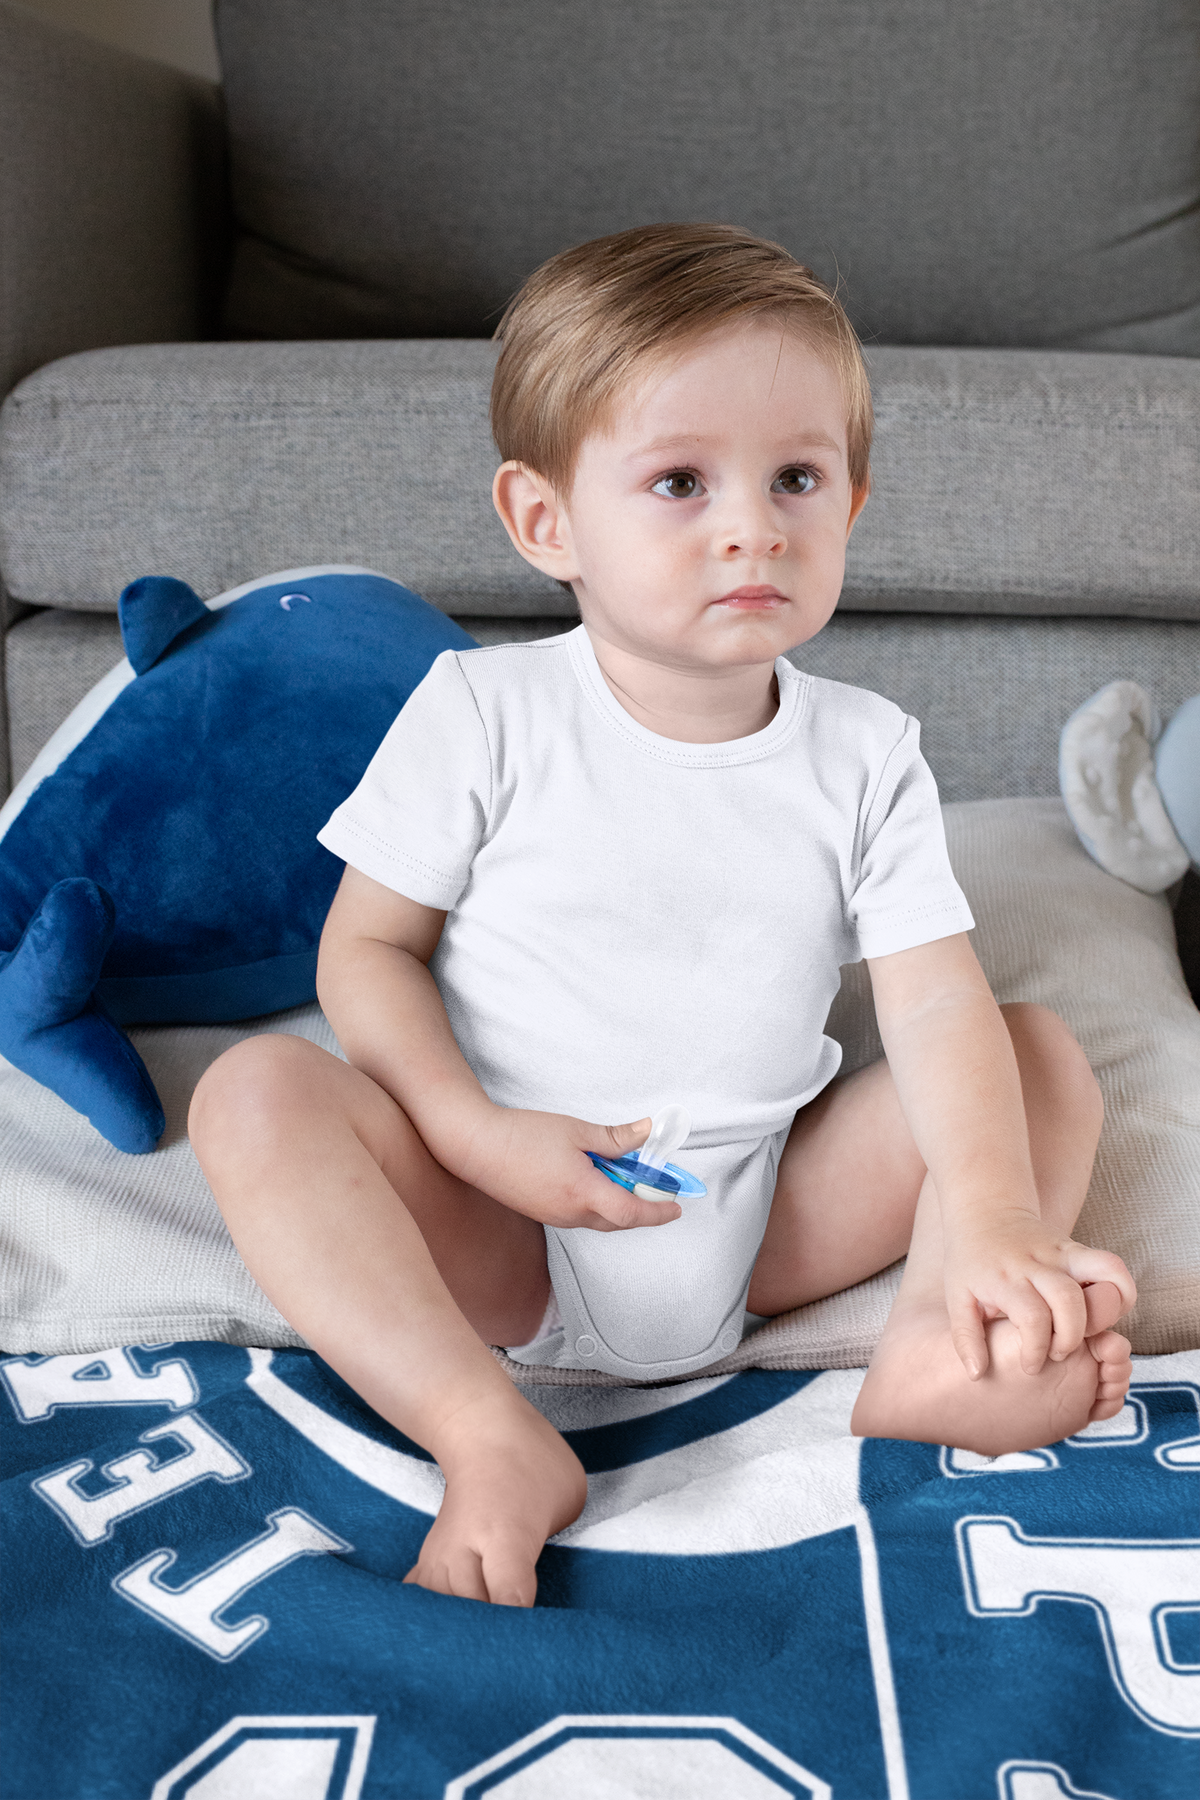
52 1028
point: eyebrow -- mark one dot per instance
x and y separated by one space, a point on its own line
817 440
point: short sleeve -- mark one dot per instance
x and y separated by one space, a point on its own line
906 893
417 817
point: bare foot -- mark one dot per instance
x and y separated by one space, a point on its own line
1109 1349
511 1483
1114 1373
917 1388
1103 1302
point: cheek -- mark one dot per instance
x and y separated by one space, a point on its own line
826 537
635 549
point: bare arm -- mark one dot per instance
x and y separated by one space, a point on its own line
374 984
956 1076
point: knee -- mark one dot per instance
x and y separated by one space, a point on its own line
1050 1057
249 1092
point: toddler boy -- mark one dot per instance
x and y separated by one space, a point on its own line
621 867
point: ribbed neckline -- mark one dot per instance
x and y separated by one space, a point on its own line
793 688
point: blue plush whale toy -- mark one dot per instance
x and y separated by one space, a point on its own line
159 860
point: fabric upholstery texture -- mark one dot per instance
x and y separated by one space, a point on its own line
111 203
991 694
996 477
125 1249
1052 927
1005 173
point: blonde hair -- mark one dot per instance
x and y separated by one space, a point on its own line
591 319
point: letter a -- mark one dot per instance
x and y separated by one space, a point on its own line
103 1378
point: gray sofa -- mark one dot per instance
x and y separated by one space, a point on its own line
249 331
1013 185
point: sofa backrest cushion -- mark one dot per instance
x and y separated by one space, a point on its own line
1006 172
1004 482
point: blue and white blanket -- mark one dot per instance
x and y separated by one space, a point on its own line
204 1599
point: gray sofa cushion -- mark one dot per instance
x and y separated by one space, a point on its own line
1036 482
112 197
1006 172
991 694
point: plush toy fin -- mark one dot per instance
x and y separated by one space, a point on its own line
1107 776
52 1028
153 611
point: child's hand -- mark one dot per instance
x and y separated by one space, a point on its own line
1009 1266
535 1162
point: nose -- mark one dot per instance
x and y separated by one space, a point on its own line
750 526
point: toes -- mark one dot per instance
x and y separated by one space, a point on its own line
459 1575
465 1574
1109 1346
506 1578
510 1581
1104 1306
1106 1409
1114 1369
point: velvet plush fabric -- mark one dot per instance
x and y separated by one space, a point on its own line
208 1598
190 808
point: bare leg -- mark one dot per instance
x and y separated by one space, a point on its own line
853 1195
399 1275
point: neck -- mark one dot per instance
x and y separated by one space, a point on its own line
693 706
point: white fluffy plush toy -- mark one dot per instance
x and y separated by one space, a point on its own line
1132 788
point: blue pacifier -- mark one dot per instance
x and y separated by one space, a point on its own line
646 1172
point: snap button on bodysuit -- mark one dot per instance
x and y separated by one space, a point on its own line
585 1345
729 1339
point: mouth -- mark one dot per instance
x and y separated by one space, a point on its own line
754 599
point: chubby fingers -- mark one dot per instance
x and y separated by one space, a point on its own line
1035 1322
618 1140
1087 1266
615 1207
1068 1314
967 1334
1024 1308
619 1210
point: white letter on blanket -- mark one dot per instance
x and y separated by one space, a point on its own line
106 1378
1133 1586
194 1609
139 1479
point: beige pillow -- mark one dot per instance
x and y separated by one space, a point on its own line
101 1248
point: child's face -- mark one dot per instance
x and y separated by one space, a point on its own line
708 526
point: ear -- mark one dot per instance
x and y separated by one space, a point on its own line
535 519
858 499
153 612
1107 776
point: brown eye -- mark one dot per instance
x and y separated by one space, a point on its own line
679 486
795 481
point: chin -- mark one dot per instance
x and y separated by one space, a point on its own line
752 637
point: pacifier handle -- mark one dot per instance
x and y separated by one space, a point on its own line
668 1131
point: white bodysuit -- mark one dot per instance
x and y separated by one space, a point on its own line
633 921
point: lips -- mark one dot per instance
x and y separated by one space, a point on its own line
753 597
